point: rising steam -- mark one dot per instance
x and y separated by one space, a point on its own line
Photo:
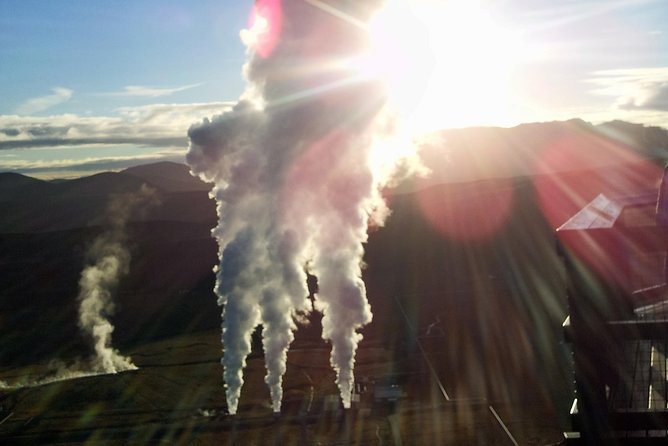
297 166
109 259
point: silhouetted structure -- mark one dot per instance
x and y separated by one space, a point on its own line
614 254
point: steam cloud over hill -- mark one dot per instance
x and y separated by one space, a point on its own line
110 259
296 173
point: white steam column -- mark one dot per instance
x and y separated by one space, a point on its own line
296 175
109 259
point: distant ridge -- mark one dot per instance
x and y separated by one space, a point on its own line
12 179
12 183
168 176
460 155
100 184
466 154
547 150
32 205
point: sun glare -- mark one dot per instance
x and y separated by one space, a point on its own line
264 27
444 64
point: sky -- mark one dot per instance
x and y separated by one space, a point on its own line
101 85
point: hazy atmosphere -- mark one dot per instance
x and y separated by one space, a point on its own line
334 222
91 86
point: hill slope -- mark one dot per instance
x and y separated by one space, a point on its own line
468 268
37 206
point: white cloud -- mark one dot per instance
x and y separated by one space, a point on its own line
169 114
75 167
163 125
149 92
634 88
69 162
650 96
42 103
635 92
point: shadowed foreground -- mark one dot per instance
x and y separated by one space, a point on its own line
176 398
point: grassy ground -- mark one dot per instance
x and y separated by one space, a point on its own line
176 397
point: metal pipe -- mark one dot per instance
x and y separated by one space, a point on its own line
503 426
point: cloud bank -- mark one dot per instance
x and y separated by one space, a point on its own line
156 124
157 131
634 88
654 96
76 167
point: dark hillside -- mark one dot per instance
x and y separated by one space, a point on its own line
13 181
37 206
167 292
461 155
101 184
168 176
13 184
483 293
463 278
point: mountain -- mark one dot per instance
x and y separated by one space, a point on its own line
537 148
12 181
473 256
169 177
459 155
15 184
32 205
98 185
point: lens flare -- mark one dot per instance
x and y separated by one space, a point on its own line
444 64
477 213
264 28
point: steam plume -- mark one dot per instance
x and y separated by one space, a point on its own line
55 370
296 174
109 260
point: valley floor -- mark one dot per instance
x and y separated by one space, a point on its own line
176 397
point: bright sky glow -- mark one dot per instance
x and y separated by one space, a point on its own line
446 64
102 70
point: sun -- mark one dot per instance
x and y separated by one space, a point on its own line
443 63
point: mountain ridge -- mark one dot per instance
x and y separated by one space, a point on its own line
571 152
